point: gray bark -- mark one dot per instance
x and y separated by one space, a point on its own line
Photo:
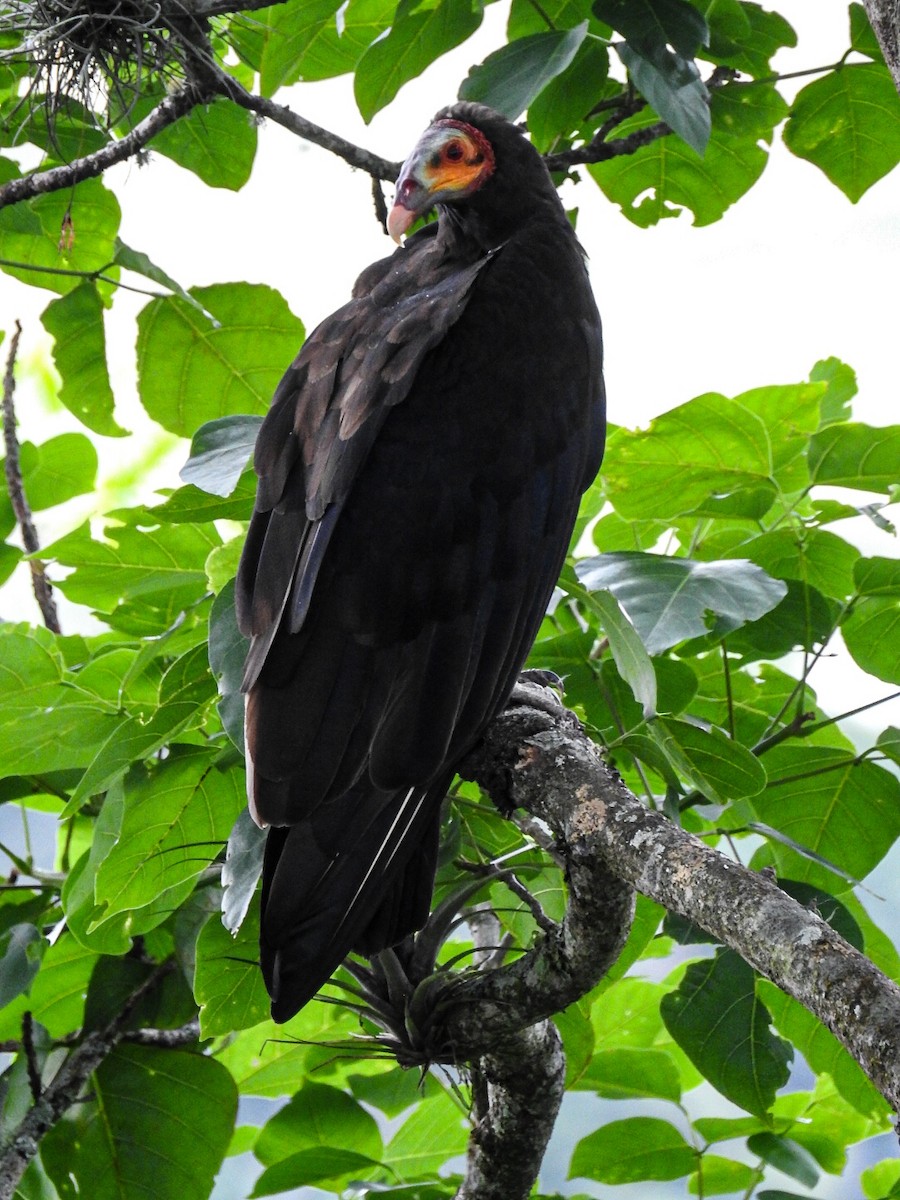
884 17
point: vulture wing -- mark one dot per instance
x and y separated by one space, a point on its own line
420 473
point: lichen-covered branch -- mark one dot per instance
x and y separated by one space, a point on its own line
539 761
516 1094
884 17
43 592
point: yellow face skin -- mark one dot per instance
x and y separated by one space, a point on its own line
451 160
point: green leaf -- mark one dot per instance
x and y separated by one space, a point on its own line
36 232
21 947
856 456
632 1150
722 1175
661 22
716 1018
752 53
217 142
710 446
665 177
842 387
318 1117
220 451
804 618
667 599
228 984
434 1132
227 652
242 869
848 124
52 473
846 811
161 1115
312 1166
75 322
56 999
559 110
862 39
134 739
510 78
141 264
811 556
626 646
714 764
877 576
311 42
872 635
194 368
177 818
672 85
418 36
785 1155
626 1073
166 564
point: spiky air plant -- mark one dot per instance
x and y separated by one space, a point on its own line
103 56
404 992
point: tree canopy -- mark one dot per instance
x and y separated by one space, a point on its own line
717 563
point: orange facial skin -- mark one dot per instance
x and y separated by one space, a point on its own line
450 161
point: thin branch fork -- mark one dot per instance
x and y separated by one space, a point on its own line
43 592
540 762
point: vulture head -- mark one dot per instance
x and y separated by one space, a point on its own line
475 167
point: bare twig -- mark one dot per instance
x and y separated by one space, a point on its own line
166 113
42 590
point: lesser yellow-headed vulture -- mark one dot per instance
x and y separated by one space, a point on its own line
419 476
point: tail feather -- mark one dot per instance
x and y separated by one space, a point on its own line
336 882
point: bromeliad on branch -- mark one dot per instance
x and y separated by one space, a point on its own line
420 473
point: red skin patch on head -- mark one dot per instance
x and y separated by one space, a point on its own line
485 149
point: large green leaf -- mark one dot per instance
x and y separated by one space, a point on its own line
710 446
216 142
21 948
220 451
177 818
510 78
844 810
228 983
856 456
164 1116
811 556
716 1018
75 322
749 52
135 561
848 124
311 41
561 107
318 1116
74 229
420 34
633 1150
58 469
872 634
665 177
627 1073
56 998
714 764
661 22
434 1132
667 599
193 368
315 1165
672 86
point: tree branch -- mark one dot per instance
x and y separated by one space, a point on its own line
39 183
538 761
516 1094
884 17
65 1087
43 592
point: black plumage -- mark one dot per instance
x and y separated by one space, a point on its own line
419 476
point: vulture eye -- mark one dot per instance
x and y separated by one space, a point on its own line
454 152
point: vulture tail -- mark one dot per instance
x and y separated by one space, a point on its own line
357 874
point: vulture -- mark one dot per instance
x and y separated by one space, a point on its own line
420 472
